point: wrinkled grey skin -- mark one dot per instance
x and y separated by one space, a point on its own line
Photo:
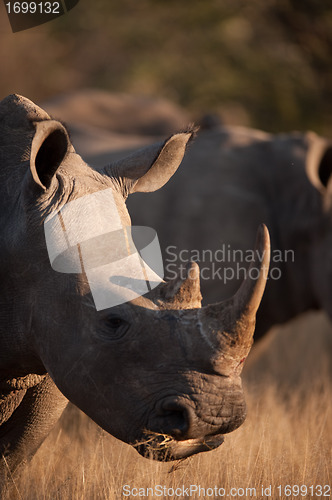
160 368
233 178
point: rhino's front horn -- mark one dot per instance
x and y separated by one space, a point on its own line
229 326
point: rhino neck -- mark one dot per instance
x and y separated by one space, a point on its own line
18 357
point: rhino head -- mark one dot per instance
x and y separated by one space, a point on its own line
159 371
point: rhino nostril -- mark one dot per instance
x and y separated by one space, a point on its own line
175 419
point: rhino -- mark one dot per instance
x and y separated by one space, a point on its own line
231 179
159 371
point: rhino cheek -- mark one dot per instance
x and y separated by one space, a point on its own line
96 383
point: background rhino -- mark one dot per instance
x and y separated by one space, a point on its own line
232 178
159 372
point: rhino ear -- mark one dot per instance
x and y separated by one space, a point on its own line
49 147
151 167
325 166
319 161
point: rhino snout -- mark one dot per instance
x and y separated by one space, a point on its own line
178 430
179 419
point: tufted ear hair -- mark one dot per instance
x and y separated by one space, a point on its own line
49 147
151 167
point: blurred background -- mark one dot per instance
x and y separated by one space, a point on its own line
263 63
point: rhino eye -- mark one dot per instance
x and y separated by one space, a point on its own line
116 325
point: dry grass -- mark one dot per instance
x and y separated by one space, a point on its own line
286 439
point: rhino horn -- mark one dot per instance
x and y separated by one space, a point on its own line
229 326
183 292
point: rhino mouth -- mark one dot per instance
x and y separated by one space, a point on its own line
163 447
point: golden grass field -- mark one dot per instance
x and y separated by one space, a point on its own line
286 439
